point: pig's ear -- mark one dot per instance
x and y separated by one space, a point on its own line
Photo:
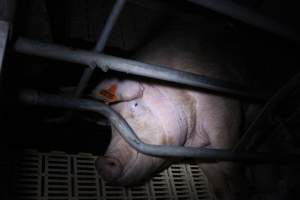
115 90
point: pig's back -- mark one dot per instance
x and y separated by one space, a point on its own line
199 50
205 49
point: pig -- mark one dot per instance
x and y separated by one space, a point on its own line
166 114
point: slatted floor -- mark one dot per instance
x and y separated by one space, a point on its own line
59 176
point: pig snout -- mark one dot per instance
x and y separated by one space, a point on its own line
109 168
122 165
156 120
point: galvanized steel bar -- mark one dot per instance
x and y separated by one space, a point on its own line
246 15
4 30
106 62
7 11
88 72
118 7
205 154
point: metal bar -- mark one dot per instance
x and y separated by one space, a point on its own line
106 62
249 16
4 29
205 154
7 11
84 80
111 21
88 72
262 117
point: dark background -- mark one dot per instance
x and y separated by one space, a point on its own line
269 62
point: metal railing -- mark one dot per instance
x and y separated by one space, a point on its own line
95 58
101 43
107 62
123 128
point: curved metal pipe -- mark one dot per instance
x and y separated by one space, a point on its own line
131 138
106 62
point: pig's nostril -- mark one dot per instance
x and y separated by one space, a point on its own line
108 168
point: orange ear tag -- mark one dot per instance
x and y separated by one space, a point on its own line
109 95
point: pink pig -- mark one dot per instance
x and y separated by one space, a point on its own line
165 114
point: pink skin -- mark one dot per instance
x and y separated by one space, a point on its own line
145 115
163 114
170 116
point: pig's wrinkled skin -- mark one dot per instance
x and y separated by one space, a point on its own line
167 115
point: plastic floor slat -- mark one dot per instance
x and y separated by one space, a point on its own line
57 175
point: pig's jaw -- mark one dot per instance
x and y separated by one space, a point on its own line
135 171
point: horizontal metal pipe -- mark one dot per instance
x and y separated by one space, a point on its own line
106 62
204 154
246 15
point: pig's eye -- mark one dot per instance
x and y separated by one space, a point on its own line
134 105
137 108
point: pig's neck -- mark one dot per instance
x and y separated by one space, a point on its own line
197 136
185 115
187 108
172 112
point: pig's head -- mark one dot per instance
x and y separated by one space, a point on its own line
155 119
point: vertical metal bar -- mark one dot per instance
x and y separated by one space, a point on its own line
79 90
7 11
111 21
4 29
88 72
84 80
